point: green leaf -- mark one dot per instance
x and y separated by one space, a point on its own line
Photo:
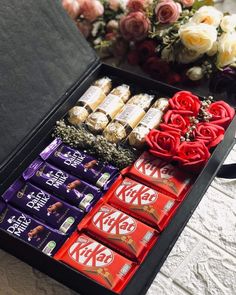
200 3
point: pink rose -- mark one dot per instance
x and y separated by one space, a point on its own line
187 3
114 4
167 11
92 9
134 26
138 5
72 7
85 27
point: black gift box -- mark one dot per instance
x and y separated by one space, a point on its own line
46 65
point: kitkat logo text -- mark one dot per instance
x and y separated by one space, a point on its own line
90 253
154 167
134 193
114 222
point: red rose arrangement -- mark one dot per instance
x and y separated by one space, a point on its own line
190 128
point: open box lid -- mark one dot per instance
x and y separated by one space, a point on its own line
42 56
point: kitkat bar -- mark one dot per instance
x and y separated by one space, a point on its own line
79 164
75 191
141 202
119 231
44 206
160 175
30 230
96 261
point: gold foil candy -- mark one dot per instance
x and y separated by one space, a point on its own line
142 100
104 83
137 136
115 132
122 92
97 121
162 104
77 115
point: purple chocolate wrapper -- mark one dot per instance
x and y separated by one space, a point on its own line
44 206
62 184
80 164
31 231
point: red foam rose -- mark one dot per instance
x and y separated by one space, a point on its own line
192 155
163 144
185 100
210 134
177 121
222 113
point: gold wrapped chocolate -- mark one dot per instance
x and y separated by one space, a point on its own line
108 109
77 115
123 123
162 104
89 101
143 100
151 120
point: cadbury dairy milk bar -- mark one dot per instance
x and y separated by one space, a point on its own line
80 164
44 206
62 184
30 230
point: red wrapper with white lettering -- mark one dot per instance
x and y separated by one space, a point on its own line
119 231
96 261
160 175
142 202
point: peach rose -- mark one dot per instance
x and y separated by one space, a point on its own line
134 26
167 11
92 9
187 3
72 7
114 4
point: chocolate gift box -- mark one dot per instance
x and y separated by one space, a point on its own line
38 88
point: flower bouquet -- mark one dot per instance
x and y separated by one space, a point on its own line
171 40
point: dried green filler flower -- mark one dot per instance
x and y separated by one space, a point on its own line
81 138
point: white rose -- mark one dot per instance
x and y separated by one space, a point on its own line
213 50
227 49
207 15
228 23
198 37
195 73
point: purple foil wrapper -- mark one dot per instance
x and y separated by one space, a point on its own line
31 231
44 206
80 164
75 191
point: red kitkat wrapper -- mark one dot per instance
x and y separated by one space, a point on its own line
142 202
96 261
119 231
160 175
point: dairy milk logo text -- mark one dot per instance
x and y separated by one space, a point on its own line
114 222
154 168
90 253
135 193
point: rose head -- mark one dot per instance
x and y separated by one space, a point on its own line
134 26
176 120
92 9
185 100
146 49
210 134
187 3
163 144
138 5
222 113
156 68
114 4
192 155
72 7
167 11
